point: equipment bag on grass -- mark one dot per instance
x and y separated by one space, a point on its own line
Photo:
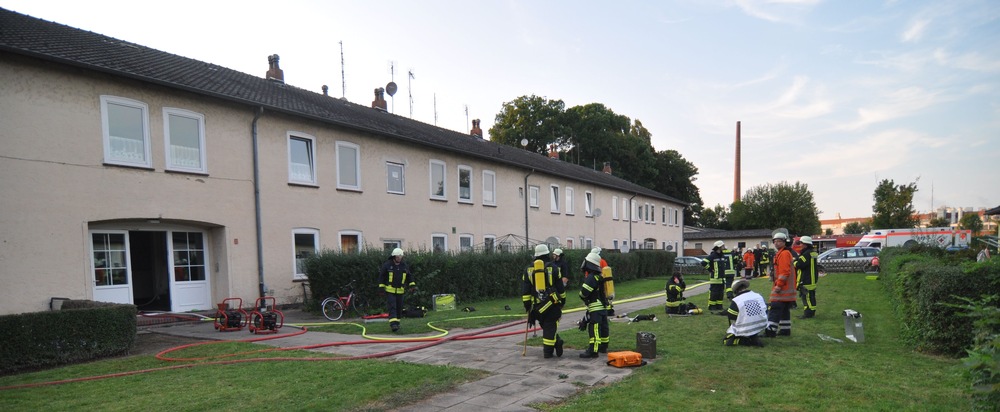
625 359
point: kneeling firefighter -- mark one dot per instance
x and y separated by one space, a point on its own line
543 295
675 293
593 292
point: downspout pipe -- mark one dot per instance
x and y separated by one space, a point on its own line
256 202
526 196
630 210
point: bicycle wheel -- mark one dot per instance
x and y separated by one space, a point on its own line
360 305
333 309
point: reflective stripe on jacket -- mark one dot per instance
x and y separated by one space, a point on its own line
784 277
805 266
395 278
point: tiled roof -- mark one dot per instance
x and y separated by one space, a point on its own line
728 234
53 42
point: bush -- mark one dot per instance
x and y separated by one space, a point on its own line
43 339
470 276
983 361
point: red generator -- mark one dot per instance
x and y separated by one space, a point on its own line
231 315
266 318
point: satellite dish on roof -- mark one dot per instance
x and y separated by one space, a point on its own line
391 88
524 142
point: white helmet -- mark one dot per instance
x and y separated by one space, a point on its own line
781 236
557 251
397 252
596 250
806 239
541 249
594 258
718 243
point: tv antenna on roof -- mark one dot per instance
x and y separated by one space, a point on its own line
409 87
343 79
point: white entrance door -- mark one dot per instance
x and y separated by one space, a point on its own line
110 267
189 285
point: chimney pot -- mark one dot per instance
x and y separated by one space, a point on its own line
607 167
476 131
325 90
379 102
553 154
274 73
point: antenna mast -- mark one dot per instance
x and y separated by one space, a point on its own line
409 87
343 79
466 116
435 109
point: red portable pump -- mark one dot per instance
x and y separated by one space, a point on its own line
231 315
266 318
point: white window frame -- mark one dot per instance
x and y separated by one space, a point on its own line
533 193
296 275
635 211
356 233
625 210
441 236
614 242
389 168
569 242
146 161
570 207
489 243
489 188
340 167
588 203
389 244
677 217
614 207
311 142
589 243
554 198
468 171
443 167
463 238
201 167
663 212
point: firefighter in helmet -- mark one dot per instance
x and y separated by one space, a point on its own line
543 295
394 278
675 293
594 296
805 266
779 317
717 265
733 263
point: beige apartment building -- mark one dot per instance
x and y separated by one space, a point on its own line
136 176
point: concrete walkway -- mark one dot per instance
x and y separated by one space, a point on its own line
515 383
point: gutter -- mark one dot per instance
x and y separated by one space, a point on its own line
526 197
256 202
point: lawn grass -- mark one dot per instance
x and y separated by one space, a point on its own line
692 371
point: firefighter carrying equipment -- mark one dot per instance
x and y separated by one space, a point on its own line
542 293
541 249
625 359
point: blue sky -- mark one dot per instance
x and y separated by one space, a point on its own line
834 94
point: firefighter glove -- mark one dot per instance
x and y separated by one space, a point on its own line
527 306
531 319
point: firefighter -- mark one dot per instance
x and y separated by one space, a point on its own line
594 297
748 264
747 316
757 252
717 265
543 295
764 268
734 262
394 278
805 267
559 260
779 317
675 293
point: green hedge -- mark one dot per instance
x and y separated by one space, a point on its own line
45 339
926 284
470 276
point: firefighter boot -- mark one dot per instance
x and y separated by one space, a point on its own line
588 354
770 332
559 346
394 326
602 348
808 313
547 351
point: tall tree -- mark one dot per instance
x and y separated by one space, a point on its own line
536 119
779 205
714 218
893 208
971 221
856 228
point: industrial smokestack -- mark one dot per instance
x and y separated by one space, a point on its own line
736 182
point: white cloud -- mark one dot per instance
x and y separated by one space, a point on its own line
900 103
915 30
776 11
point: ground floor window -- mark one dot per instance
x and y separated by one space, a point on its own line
110 259
306 244
439 243
189 256
350 242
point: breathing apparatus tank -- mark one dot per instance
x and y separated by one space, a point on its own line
609 283
538 277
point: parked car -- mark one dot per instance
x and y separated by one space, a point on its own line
846 259
688 264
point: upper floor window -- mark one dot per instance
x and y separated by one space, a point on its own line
184 133
394 178
570 208
663 212
677 217
554 199
301 159
489 188
126 131
348 166
614 208
438 174
533 192
465 184
588 203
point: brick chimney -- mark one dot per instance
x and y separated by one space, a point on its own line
476 131
607 167
379 102
274 73
553 153
325 90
